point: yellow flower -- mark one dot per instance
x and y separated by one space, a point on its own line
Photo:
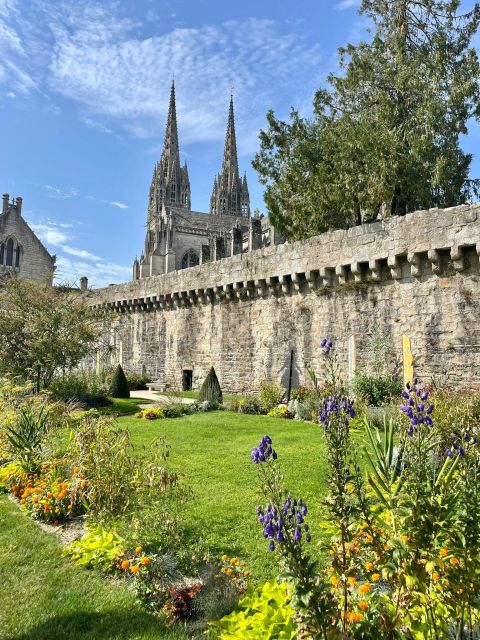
246 573
443 552
135 568
234 561
223 558
229 572
376 577
369 566
334 581
435 575
138 550
454 560
144 560
353 616
365 588
363 604
352 581
404 539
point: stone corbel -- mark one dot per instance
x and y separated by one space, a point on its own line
227 290
356 271
325 277
209 295
250 289
261 287
457 257
192 297
237 289
283 280
271 285
393 263
312 279
340 272
434 257
375 271
414 262
297 283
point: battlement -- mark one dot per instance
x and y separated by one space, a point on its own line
418 245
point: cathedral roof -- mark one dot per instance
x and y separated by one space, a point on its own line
203 221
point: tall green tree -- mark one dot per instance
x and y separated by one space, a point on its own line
44 330
386 132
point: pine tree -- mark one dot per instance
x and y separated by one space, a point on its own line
210 390
119 385
385 136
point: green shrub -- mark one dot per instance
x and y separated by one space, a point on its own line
84 388
300 393
97 547
377 390
26 437
250 404
263 614
210 389
270 395
280 412
119 385
137 381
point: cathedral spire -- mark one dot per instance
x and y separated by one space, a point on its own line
228 197
170 183
171 150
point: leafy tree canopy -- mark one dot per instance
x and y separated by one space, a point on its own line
43 330
385 135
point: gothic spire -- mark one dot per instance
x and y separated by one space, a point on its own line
228 197
170 146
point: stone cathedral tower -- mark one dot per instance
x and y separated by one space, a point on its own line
170 182
230 195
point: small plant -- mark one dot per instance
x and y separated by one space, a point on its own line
280 412
270 395
377 390
119 385
98 547
210 389
264 613
27 436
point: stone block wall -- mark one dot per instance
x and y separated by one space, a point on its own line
416 275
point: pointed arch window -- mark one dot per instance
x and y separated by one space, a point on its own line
190 259
10 244
2 253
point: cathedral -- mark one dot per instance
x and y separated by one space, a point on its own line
177 237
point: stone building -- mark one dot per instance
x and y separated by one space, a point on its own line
177 237
21 252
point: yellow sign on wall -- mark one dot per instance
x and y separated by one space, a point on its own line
407 360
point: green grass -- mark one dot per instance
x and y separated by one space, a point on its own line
121 406
44 596
211 451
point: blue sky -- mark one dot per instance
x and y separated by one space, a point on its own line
84 91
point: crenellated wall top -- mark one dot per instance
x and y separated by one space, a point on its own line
431 241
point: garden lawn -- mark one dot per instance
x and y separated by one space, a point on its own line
44 596
122 406
212 452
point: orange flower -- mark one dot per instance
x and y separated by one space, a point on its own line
454 560
144 560
124 564
363 604
443 552
435 575
369 566
138 550
376 577
76 469
135 568
369 538
353 616
246 574
365 588
229 571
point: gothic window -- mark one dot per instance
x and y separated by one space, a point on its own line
172 193
185 199
17 255
224 205
165 169
9 262
190 259
2 252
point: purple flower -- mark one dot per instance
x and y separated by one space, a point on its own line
264 451
271 546
326 346
414 407
449 453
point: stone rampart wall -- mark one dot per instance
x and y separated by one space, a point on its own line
416 275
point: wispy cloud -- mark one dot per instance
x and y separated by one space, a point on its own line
54 235
95 56
56 192
100 274
112 203
347 4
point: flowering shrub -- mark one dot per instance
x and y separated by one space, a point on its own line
152 413
270 395
403 543
236 571
280 412
263 614
179 604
